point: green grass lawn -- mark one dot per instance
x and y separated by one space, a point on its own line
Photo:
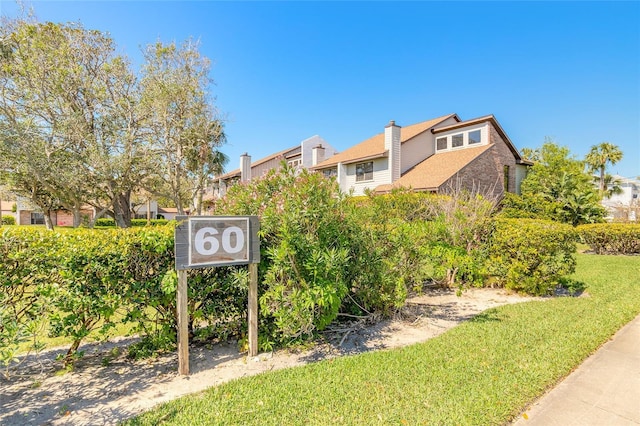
483 372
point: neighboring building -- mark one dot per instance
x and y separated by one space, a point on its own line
168 213
310 152
28 214
437 155
7 209
626 205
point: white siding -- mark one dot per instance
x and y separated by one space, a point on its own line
417 150
521 173
630 193
448 122
484 135
381 175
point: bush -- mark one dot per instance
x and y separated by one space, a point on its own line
25 271
427 236
8 220
105 222
110 223
79 278
306 259
611 238
531 256
153 222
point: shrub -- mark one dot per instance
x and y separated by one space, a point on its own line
534 206
530 255
611 238
306 248
78 279
8 220
25 271
152 222
106 222
424 235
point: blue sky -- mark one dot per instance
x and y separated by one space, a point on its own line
285 71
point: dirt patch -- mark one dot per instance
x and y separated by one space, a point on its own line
106 387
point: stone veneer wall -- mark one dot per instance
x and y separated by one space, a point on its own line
485 174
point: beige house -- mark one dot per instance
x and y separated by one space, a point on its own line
436 155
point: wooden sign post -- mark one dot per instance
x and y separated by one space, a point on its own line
211 241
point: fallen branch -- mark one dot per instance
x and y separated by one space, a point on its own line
344 338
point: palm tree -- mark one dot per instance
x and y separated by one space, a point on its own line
612 185
599 156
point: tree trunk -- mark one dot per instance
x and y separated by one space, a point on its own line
601 180
71 353
77 217
47 219
199 201
98 215
122 209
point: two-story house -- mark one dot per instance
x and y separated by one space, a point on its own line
436 155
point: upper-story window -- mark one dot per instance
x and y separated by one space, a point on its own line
474 137
294 163
364 171
457 140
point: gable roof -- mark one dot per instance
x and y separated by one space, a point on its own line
374 146
431 173
284 153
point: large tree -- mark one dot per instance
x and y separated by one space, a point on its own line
558 181
69 109
599 157
181 122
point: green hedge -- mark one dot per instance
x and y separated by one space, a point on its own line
531 255
78 279
321 255
611 238
105 222
108 222
8 220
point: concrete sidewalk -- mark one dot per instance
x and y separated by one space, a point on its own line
604 390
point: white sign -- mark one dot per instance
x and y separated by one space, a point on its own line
216 241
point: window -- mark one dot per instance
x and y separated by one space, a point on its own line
441 143
364 171
294 163
457 140
330 172
506 178
37 218
474 137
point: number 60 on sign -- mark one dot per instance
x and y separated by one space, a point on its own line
206 241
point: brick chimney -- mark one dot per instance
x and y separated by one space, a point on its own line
245 167
392 144
317 155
